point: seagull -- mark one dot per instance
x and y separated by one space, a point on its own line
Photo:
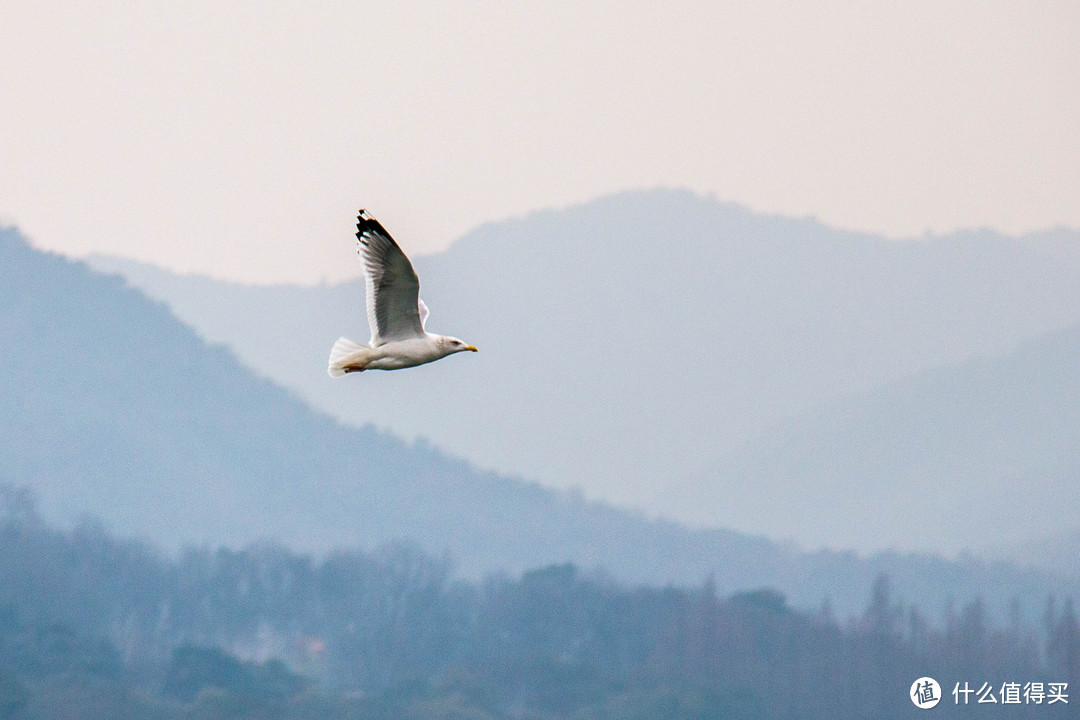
395 312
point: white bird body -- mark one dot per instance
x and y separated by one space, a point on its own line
395 312
347 356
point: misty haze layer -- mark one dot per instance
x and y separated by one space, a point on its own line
115 410
671 352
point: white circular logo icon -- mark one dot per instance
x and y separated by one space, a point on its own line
925 693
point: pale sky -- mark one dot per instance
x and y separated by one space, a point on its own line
238 139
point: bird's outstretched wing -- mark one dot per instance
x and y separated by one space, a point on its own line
393 290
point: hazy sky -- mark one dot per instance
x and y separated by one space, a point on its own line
239 138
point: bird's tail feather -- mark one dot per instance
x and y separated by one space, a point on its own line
339 356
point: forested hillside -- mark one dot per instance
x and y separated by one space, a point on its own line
93 626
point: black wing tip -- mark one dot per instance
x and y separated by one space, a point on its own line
368 225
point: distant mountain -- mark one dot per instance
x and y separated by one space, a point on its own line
113 407
984 453
628 345
110 407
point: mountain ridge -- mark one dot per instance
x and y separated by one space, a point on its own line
992 438
647 336
190 449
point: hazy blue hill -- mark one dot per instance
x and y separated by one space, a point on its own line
113 408
983 453
627 344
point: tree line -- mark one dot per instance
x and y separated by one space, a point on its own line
92 625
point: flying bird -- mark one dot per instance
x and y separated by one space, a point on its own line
395 312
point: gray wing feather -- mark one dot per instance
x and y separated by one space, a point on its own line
393 290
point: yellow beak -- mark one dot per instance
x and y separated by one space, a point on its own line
471 348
